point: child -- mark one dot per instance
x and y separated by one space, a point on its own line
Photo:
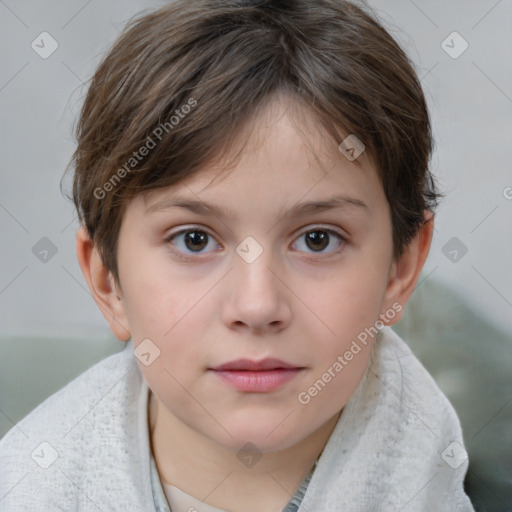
292 140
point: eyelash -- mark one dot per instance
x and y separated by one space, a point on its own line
179 254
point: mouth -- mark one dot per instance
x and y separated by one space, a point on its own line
270 363
257 376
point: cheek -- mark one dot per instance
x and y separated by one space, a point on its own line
168 308
342 356
349 306
351 302
155 300
335 379
152 312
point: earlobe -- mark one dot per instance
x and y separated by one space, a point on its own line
101 284
405 271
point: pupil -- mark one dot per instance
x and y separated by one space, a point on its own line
195 238
319 239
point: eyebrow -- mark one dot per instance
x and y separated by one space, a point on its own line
301 209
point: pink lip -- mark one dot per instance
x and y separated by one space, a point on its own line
257 376
259 380
270 363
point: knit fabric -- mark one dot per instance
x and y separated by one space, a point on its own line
396 446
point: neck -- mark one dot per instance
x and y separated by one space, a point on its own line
212 472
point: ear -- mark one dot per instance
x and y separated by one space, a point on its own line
406 270
102 285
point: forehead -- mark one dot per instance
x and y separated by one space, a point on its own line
286 157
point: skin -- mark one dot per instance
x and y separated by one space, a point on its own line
300 302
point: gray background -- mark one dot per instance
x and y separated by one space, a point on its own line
470 98
459 320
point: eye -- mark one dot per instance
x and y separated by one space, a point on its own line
194 241
319 239
191 241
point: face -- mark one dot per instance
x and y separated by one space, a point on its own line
253 268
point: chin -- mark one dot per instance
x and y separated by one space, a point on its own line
271 434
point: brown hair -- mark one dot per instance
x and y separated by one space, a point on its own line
182 81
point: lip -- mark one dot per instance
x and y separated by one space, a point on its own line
269 363
257 376
258 381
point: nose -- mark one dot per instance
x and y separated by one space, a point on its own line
257 298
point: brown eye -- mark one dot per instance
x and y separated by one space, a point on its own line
318 240
196 240
191 241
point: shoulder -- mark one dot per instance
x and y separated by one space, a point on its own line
404 376
65 403
424 429
398 442
53 455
